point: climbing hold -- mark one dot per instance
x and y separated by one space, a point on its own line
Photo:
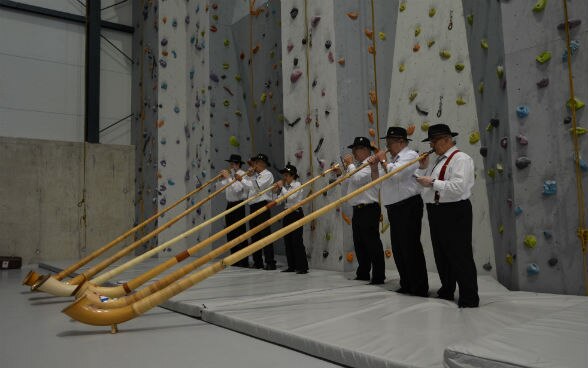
484 151
370 117
349 257
238 77
530 241
226 103
492 173
298 154
325 253
163 85
416 47
499 168
432 11
290 46
522 140
583 165
352 15
495 122
509 258
574 46
543 57
171 182
319 145
425 126
372 132
163 140
294 12
552 261
213 28
341 61
371 49
445 54
579 130
543 83
577 102
315 21
328 44
573 23
214 77
382 36
402 6
522 162
481 87
388 253
430 43
484 44
567 120
417 31
547 234
518 210
176 109
401 68
522 111
504 142
412 95
233 141
539 5
459 67
421 111
163 41
549 187
474 137
501 229
226 42
500 71
226 66
345 218
532 269
296 74
331 57
373 97
470 19
255 49
460 101
487 266
410 129
368 33
162 63
263 97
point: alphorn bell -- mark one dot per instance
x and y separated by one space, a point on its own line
32 277
81 311
55 287
126 288
100 279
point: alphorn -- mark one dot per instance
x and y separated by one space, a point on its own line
32 277
100 279
55 287
126 288
82 311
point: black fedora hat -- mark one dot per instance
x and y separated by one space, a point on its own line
396 132
361 142
236 159
290 169
261 157
438 130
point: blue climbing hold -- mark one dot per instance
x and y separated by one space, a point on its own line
574 46
518 210
171 182
176 109
522 111
532 269
547 234
549 187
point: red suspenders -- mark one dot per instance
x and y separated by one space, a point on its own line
442 173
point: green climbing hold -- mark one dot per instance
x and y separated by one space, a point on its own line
484 44
233 141
226 42
474 137
530 241
491 173
417 31
481 87
263 97
540 6
500 71
238 113
430 43
226 66
432 12
459 67
501 229
226 103
543 57
579 130
402 7
401 68
460 101
238 77
412 95
470 18
445 54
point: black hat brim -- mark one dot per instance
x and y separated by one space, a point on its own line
235 161
396 136
360 145
453 134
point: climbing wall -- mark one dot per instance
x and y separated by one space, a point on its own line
245 86
145 112
328 80
432 83
528 148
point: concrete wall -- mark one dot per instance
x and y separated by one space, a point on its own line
62 203
516 35
42 62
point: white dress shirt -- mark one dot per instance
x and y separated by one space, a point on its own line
401 185
236 191
459 178
293 198
259 182
359 179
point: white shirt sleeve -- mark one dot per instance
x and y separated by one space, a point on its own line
403 160
462 177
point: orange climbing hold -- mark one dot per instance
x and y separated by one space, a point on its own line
353 15
372 132
213 28
349 257
416 47
371 49
341 61
369 34
388 253
410 129
373 97
160 123
256 49
371 117
346 218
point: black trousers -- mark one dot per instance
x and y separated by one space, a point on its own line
451 235
405 236
268 251
295 250
367 243
230 219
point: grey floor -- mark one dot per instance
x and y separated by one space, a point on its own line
34 333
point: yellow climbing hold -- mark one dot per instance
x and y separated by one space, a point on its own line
417 31
382 36
579 130
579 104
238 77
543 57
530 241
491 173
412 95
263 97
501 229
470 19
430 43
484 44
509 259
500 71
401 68
474 137
459 67
481 87
432 12
226 66
460 101
233 141
539 6
373 97
489 127
402 6
425 126
445 54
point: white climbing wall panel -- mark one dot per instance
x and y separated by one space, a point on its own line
432 83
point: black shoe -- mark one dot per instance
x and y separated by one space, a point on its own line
401 291
301 272
445 297
270 267
257 265
466 305
422 295
288 270
362 278
376 282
